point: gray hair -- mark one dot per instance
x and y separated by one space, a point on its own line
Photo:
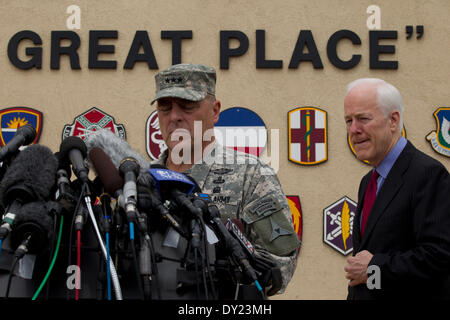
388 96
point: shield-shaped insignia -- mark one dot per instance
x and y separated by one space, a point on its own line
353 149
92 120
296 212
440 139
15 117
307 135
338 225
154 142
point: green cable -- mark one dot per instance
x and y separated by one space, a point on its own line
53 261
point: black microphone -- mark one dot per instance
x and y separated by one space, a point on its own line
231 244
75 150
236 228
148 200
24 136
30 177
129 170
64 192
35 225
172 185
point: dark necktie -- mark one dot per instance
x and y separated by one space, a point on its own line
369 199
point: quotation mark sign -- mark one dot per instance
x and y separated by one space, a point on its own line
410 31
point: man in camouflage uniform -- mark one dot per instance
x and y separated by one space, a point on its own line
239 184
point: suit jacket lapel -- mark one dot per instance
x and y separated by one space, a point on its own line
388 191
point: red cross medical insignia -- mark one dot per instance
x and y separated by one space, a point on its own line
307 135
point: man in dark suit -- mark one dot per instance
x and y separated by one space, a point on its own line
401 231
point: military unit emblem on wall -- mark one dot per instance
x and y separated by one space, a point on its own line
154 142
241 129
296 212
440 139
307 135
13 118
338 219
92 120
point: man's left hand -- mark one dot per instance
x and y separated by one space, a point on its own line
356 268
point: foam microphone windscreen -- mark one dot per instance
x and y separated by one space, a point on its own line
106 170
71 143
33 219
115 147
30 176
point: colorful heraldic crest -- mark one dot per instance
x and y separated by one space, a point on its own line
92 120
440 139
241 129
13 118
296 212
154 142
353 149
307 135
338 221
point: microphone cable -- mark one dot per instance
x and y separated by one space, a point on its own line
18 254
77 275
135 263
71 234
53 260
208 262
106 210
11 271
108 272
115 278
52 251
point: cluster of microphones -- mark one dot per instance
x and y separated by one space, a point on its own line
93 221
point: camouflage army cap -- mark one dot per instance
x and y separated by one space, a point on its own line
186 81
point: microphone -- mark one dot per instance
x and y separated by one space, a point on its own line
24 136
174 185
147 200
75 150
231 244
234 227
262 261
64 192
112 182
115 147
30 177
129 169
35 224
106 171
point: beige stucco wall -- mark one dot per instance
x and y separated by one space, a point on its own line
422 78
